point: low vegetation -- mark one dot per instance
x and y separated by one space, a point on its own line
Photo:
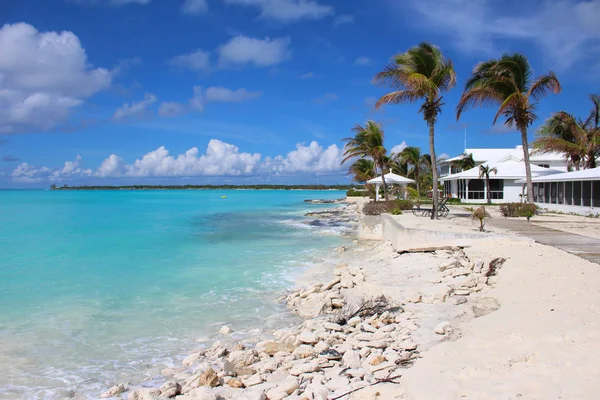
389 207
514 210
357 193
480 215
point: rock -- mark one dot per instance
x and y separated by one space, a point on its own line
351 359
253 395
113 391
443 328
304 368
209 378
410 346
236 383
273 347
225 330
377 360
356 373
330 326
304 351
484 306
414 298
308 337
203 393
243 358
170 389
321 347
354 321
337 303
331 354
462 292
448 265
331 284
253 380
192 358
288 386
143 393
459 300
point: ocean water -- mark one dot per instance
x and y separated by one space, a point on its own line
98 287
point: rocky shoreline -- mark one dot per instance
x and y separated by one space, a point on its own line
358 334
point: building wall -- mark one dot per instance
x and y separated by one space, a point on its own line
569 209
512 190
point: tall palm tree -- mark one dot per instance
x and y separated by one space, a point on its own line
397 166
421 73
413 158
577 139
363 170
484 172
464 163
368 142
509 83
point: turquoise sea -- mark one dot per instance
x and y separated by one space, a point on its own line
99 287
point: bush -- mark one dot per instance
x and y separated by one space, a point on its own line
382 207
357 193
396 211
453 200
518 209
480 215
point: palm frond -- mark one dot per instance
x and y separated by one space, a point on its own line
544 85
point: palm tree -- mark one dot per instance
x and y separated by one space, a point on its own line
368 142
577 139
508 83
363 170
464 163
413 158
421 73
484 172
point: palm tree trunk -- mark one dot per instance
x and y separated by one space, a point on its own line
487 187
385 193
418 191
527 165
433 169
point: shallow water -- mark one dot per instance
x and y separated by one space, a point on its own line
99 286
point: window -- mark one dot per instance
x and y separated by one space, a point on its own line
561 193
586 193
496 189
577 193
568 193
596 194
544 165
547 192
541 192
535 192
461 188
553 189
447 188
476 189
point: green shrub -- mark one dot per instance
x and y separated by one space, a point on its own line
480 215
396 211
453 200
382 207
357 193
404 204
518 210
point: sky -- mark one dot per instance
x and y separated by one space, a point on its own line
254 91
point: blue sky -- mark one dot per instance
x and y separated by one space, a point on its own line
245 91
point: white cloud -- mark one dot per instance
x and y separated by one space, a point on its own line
171 109
398 148
197 100
111 166
194 6
306 159
198 60
343 19
363 61
71 169
287 10
220 159
242 50
326 98
133 109
43 75
224 95
29 173
565 31
443 156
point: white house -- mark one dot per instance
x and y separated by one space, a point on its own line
577 191
505 185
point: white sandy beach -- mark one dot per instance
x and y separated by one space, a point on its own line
529 330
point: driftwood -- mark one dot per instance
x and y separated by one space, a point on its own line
365 308
389 379
494 264
432 249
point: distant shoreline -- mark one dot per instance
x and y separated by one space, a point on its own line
211 187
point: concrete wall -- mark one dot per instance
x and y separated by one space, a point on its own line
583 210
386 228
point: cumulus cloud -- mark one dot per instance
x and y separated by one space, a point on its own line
343 19
198 60
171 109
136 108
224 95
287 10
194 7
200 98
443 156
398 148
219 159
306 159
243 50
43 75
565 31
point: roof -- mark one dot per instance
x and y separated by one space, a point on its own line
391 178
510 169
583 175
488 155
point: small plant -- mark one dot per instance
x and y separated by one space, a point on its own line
404 204
481 215
529 214
518 209
396 211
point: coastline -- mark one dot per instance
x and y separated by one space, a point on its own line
448 313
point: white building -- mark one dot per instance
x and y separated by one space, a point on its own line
577 191
504 185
